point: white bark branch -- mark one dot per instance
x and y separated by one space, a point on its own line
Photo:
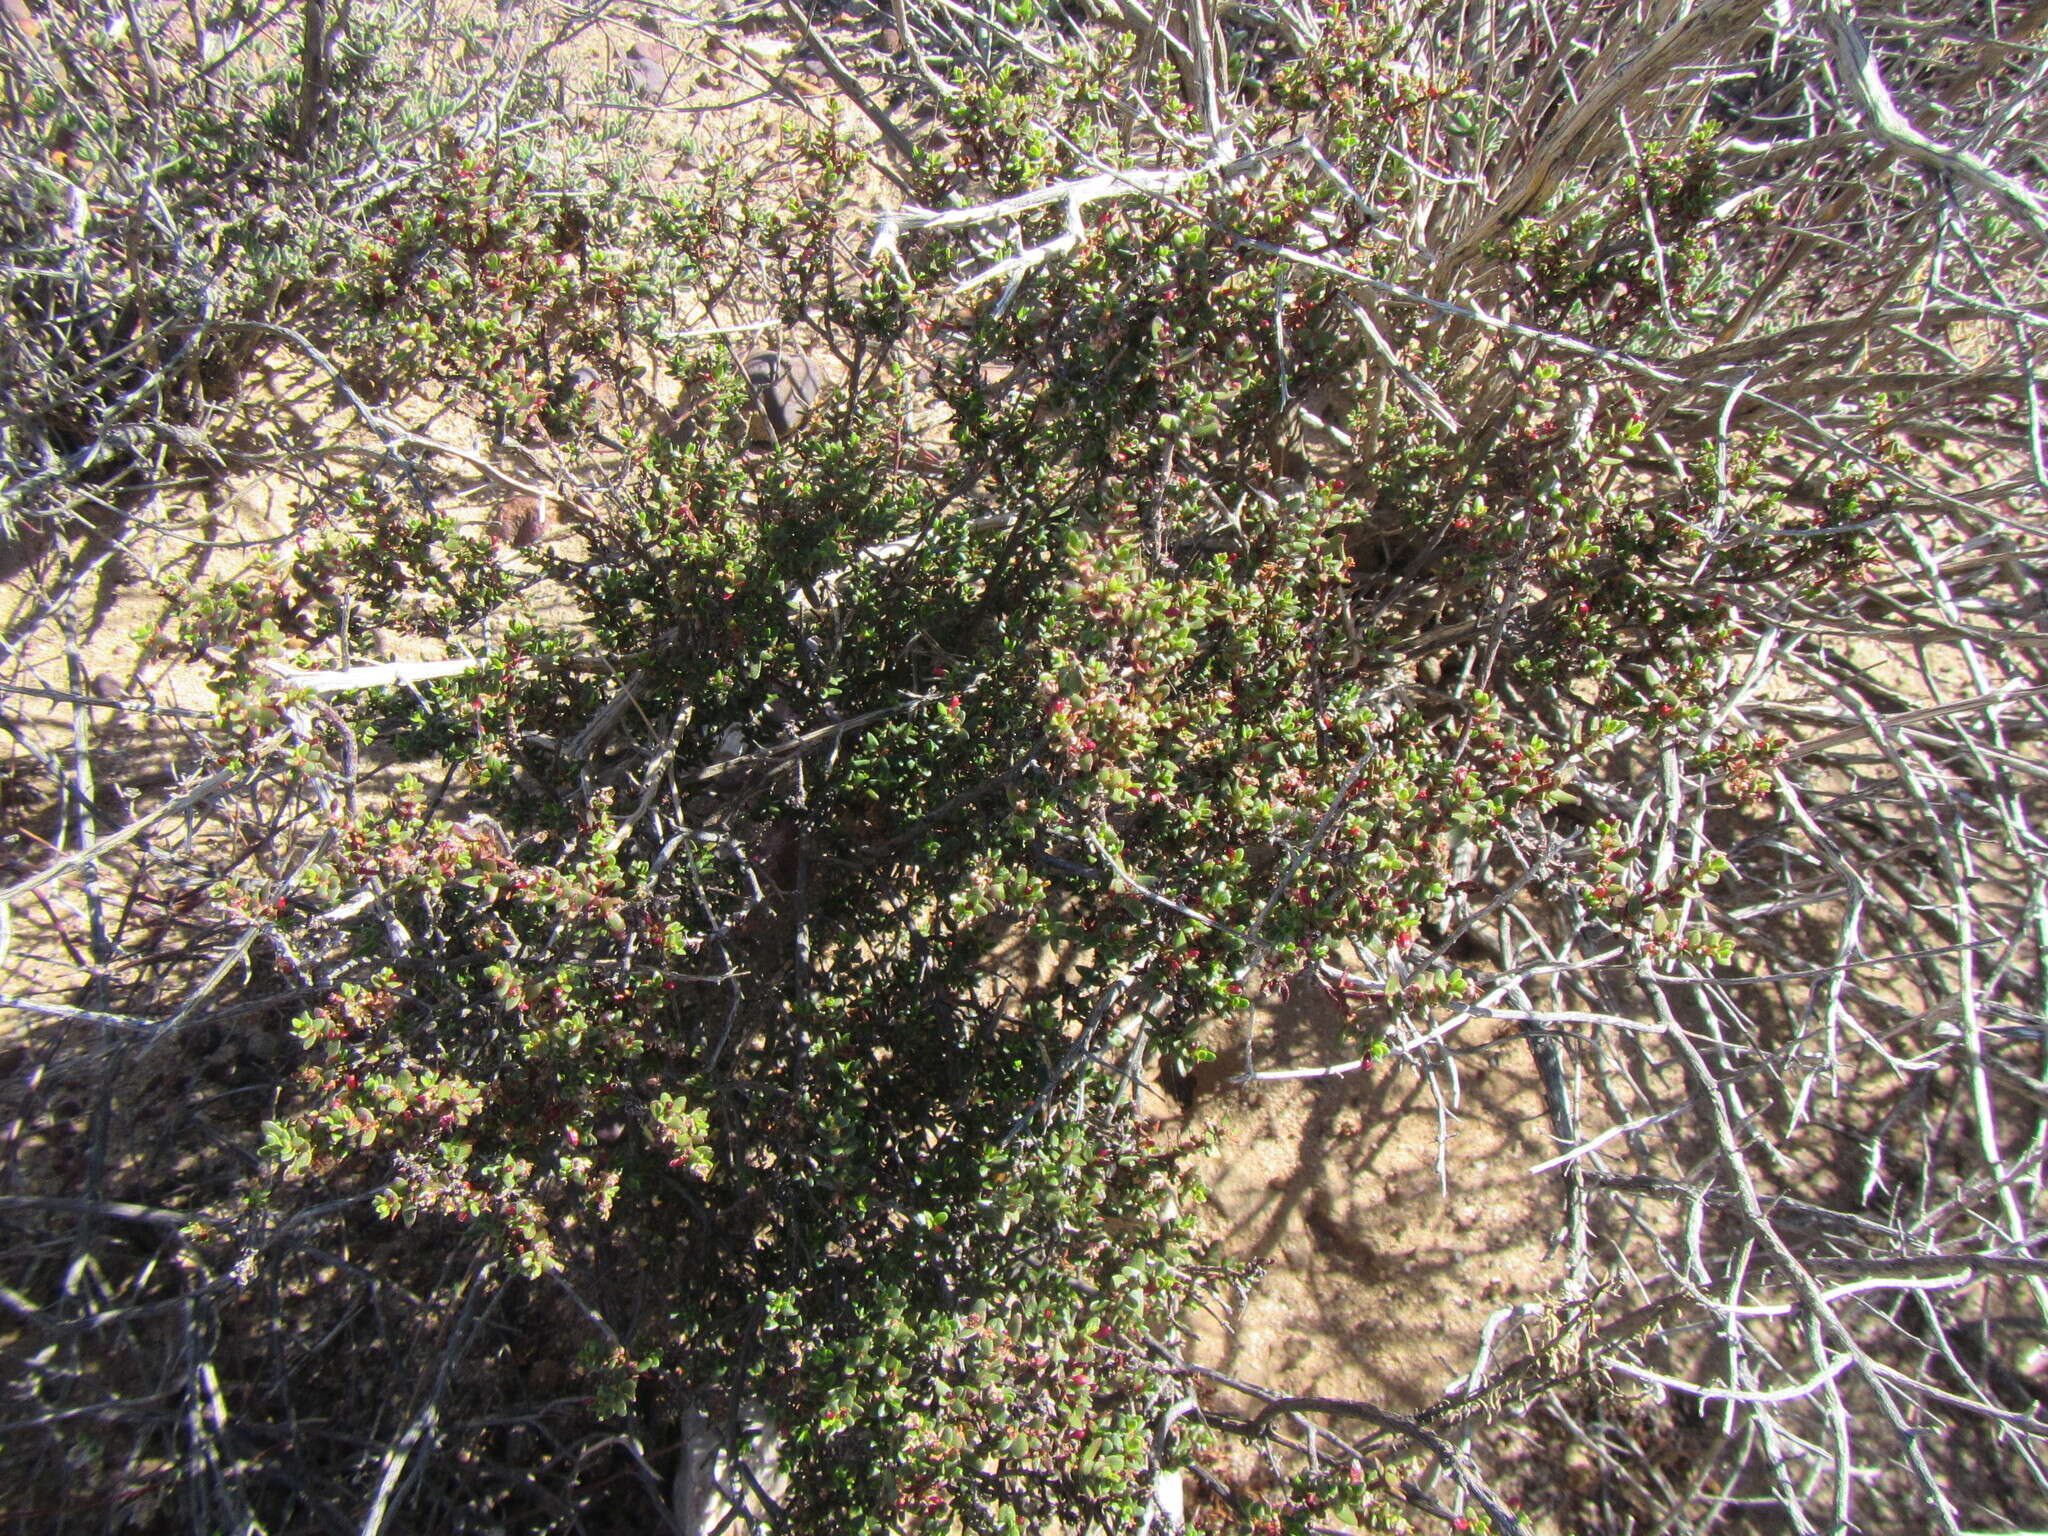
1856 70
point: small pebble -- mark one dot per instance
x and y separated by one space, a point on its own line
890 42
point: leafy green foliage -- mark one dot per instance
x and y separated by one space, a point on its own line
732 1001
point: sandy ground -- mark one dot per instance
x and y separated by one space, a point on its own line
1384 1233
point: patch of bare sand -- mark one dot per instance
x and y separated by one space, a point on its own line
1379 1262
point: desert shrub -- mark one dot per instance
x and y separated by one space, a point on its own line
1370 549
162 204
1076 708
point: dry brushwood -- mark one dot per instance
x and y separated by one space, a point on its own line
1760 285
1816 1167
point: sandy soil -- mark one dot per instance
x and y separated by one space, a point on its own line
1385 1232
